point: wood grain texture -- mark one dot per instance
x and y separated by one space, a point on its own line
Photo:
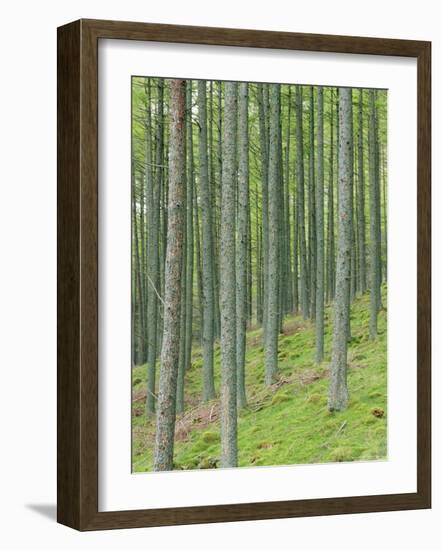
252 38
424 273
68 275
77 226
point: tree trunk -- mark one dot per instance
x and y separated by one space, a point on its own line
353 263
272 328
190 180
199 276
331 213
301 203
165 426
217 200
320 231
263 140
378 204
242 241
338 393
288 276
229 453
361 197
311 208
214 192
295 256
187 263
374 233
160 176
281 224
138 356
182 341
206 249
384 206
152 263
258 237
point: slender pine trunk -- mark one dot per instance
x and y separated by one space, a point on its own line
258 281
331 212
165 425
206 248
280 226
263 140
338 392
242 241
378 205
384 207
190 179
320 231
301 203
217 209
361 197
229 452
138 356
288 276
199 276
353 261
152 255
182 340
274 183
215 183
374 234
311 208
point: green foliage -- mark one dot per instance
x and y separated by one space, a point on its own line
288 422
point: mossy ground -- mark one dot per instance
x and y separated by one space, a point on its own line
287 423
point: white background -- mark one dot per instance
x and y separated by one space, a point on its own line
27 300
118 488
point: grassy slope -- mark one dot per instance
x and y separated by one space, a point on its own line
287 423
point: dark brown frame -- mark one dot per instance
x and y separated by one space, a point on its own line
77 224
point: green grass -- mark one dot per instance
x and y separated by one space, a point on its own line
287 423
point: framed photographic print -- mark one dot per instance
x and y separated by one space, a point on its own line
243 274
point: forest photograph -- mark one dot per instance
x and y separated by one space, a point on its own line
259 274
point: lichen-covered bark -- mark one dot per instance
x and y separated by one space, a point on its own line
206 248
241 240
229 453
165 422
182 340
312 207
185 321
374 218
295 257
215 185
338 393
282 231
303 290
138 306
263 141
197 237
331 213
217 200
361 198
383 177
272 329
319 190
152 256
287 233
190 181
378 203
294 246
353 263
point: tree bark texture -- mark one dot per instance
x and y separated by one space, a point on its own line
165 424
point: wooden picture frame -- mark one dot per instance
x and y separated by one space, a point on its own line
77 460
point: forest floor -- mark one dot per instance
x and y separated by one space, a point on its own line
288 422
